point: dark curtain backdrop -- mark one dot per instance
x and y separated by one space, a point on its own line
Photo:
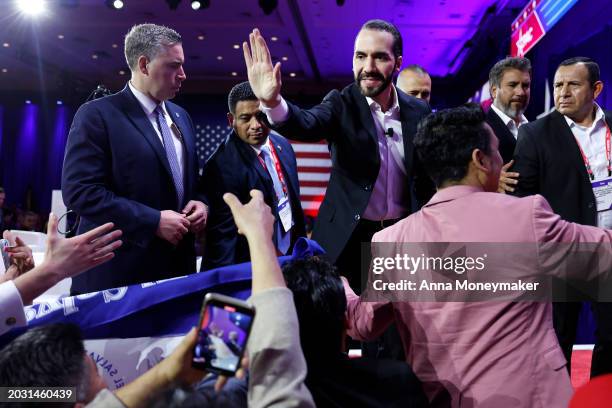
33 138
32 142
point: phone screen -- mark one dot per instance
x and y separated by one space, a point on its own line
222 337
6 261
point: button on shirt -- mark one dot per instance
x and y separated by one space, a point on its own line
509 122
592 141
149 106
389 199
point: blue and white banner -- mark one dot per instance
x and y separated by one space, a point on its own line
162 308
128 330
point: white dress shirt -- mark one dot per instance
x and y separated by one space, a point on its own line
389 196
592 141
509 122
11 307
149 106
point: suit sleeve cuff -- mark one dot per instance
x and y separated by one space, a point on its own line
278 114
11 308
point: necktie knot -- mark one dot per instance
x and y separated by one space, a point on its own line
265 151
159 110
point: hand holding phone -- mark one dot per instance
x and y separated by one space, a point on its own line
223 331
16 255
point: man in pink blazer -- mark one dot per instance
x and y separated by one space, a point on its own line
476 354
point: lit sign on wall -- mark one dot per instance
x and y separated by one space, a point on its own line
536 19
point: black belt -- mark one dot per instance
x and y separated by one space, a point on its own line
378 224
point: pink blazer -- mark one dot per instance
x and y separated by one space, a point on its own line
480 354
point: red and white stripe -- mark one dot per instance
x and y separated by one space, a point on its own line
314 166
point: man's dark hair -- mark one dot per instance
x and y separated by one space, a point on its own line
416 68
382 25
320 302
445 141
240 92
497 72
46 356
591 66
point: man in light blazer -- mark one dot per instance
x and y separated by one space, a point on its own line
478 353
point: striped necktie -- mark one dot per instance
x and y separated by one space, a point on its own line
168 140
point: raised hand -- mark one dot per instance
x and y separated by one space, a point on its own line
264 78
69 257
254 219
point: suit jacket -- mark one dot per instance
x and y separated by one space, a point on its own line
116 170
345 120
549 162
234 167
483 353
507 142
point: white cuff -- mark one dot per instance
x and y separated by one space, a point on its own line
11 308
278 114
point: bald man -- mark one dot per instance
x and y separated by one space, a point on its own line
414 80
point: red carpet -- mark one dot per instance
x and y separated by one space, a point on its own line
581 367
581 364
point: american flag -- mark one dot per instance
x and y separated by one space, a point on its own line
313 160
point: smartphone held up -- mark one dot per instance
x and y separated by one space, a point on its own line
223 331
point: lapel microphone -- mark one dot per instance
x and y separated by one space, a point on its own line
389 132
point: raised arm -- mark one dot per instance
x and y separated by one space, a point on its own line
274 345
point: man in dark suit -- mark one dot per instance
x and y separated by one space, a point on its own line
369 125
510 84
130 159
239 166
559 156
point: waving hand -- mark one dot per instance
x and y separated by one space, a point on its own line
265 79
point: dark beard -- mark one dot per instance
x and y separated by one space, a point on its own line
374 92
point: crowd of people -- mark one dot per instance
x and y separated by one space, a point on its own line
15 218
400 173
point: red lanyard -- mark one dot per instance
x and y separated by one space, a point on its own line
276 165
586 160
